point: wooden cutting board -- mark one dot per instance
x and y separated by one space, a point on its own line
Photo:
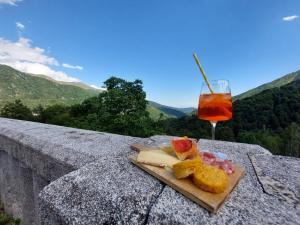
211 202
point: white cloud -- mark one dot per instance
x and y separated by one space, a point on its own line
22 56
22 50
10 2
290 18
96 87
66 65
38 68
19 25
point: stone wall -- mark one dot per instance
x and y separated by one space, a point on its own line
57 175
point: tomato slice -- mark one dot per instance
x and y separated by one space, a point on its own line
182 145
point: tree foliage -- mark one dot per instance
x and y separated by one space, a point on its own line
16 110
121 109
270 119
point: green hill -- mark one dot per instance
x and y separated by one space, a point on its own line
40 89
171 112
270 118
34 90
156 109
77 84
155 113
275 83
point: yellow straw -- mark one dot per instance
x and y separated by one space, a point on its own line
203 73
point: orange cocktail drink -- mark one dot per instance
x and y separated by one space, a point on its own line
215 107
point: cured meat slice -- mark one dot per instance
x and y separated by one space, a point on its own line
210 159
227 166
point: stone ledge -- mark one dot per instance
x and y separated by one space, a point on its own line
43 147
248 204
45 153
279 176
109 191
92 181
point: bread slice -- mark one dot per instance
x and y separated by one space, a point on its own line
185 148
186 168
211 179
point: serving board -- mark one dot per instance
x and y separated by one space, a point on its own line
211 202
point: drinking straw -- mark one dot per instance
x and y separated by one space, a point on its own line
203 73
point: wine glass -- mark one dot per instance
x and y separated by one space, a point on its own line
215 103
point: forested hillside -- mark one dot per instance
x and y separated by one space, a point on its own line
270 118
159 111
35 90
273 84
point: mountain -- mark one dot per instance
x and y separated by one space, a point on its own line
78 84
276 83
37 89
156 109
41 89
172 112
270 118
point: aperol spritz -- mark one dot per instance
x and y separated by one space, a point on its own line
217 105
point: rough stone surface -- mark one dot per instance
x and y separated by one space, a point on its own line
67 146
16 188
279 176
57 175
32 155
248 204
109 191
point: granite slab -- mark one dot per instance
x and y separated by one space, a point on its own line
248 204
87 179
109 191
279 176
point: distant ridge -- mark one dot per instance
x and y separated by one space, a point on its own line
78 84
168 111
40 89
275 83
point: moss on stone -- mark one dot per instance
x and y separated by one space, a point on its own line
6 219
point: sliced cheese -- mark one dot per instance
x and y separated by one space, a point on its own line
157 158
161 151
167 149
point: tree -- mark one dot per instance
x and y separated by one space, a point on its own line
16 110
37 113
121 109
57 114
291 137
225 133
247 137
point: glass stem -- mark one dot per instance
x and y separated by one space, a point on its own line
213 129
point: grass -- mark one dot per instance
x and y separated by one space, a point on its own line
6 219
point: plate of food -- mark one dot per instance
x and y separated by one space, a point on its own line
203 177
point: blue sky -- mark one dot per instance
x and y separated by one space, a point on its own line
245 41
